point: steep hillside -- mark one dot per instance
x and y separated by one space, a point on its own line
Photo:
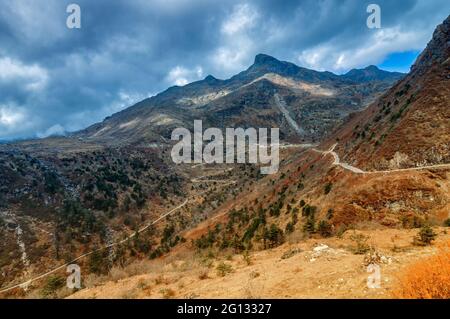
349 188
353 177
111 183
409 125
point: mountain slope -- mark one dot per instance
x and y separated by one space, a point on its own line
319 99
288 218
409 125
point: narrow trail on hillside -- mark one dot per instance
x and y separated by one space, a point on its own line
337 161
24 285
281 104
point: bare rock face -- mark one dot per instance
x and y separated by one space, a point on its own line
437 50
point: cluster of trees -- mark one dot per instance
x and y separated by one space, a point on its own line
51 183
323 227
169 239
75 222
243 228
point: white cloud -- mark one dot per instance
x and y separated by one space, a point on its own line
32 77
237 46
233 57
14 119
181 76
242 18
56 129
334 56
34 21
10 116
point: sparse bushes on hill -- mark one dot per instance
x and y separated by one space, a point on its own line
52 183
53 284
308 210
236 244
330 213
412 221
207 241
328 187
98 262
77 222
273 236
324 228
247 258
310 226
362 246
425 236
250 232
223 269
289 228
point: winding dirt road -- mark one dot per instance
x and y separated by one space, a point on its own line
356 170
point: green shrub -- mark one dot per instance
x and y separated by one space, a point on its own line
289 228
328 188
51 183
330 213
290 253
324 228
310 225
223 269
447 222
273 235
98 263
425 236
412 221
362 246
309 210
247 257
53 284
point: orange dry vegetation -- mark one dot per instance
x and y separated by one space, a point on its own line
428 278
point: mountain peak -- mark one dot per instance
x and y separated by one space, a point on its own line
372 68
261 59
371 73
210 79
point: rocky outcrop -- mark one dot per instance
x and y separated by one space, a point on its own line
437 50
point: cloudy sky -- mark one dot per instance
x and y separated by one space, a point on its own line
54 79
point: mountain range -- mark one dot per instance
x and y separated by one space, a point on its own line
317 100
365 150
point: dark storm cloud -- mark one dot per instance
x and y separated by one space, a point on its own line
53 79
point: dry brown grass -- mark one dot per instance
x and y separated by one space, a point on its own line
428 278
